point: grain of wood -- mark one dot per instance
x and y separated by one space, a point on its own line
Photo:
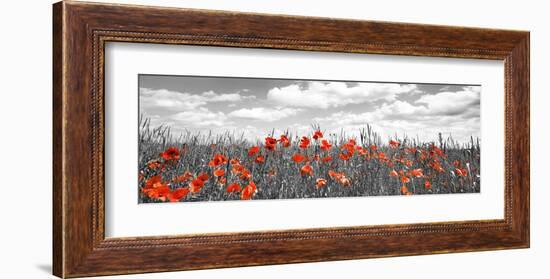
80 33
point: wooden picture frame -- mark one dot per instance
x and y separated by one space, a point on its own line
80 31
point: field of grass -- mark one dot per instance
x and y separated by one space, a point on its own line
202 167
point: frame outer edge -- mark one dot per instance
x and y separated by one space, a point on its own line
519 108
528 144
521 93
58 92
74 251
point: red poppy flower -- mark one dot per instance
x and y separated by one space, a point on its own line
159 192
405 179
154 182
349 147
335 175
171 153
394 144
408 163
203 176
417 173
456 163
177 194
233 187
155 188
373 147
217 160
237 169
411 150
154 164
427 184
317 135
461 172
234 161
270 143
249 191
196 185
219 172
260 159
325 144
284 141
245 174
340 177
362 151
436 151
253 150
344 156
306 170
344 181
298 158
437 166
326 159
182 178
320 182
304 142
394 173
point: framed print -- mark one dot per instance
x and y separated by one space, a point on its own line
221 139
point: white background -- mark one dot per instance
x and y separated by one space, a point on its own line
25 108
124 216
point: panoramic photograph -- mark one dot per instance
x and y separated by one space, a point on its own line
231 138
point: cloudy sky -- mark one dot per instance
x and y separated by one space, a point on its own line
255 106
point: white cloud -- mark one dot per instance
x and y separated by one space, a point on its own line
426 127
166 99
335 94
451 113
347 118
389 108
462 103
211 96
265 114
451 103
400 109
200 117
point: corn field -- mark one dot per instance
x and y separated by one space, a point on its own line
204 167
